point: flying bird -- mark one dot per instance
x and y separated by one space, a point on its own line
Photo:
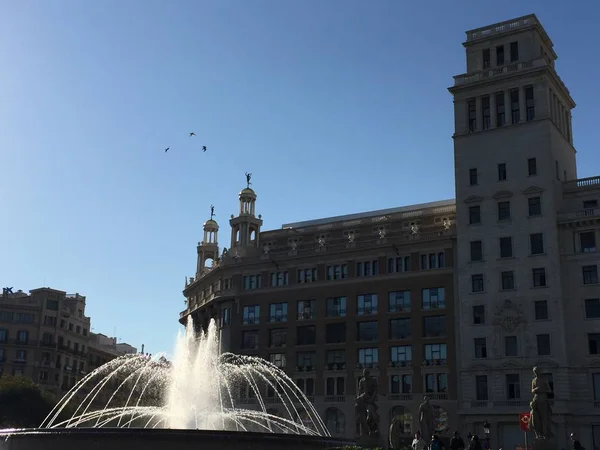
192 134
167 149
204 148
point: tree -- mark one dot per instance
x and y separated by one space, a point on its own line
22 403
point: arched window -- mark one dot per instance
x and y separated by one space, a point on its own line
404 416
335 421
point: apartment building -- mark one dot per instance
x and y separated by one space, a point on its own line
526 272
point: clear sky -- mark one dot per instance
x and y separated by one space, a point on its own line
335 106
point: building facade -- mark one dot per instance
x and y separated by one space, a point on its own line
526 273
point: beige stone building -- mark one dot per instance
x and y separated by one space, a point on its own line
526 272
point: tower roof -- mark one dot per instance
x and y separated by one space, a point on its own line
248 192
211 225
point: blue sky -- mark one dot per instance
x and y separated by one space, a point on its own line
334 106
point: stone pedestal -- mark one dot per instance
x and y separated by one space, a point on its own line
544 444
372 441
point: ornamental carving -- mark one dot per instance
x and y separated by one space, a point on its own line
509 316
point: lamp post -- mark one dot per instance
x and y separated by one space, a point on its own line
486 429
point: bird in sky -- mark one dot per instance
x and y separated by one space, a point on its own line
192 134
204 148
167 149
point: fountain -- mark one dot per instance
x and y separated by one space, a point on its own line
202 397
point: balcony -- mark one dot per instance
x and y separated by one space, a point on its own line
400 397
497 72
437 395
581 214
582 184
335 398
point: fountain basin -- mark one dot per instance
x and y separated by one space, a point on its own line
159 439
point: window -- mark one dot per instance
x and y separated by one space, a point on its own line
506 250
500 110
336 307
594 343
306 335
434 326
472 106
7 316
590 204
485 110
399 301
507 280
590 274
535 206
480 348
481 387
399 264
278 312
335 333
503 211
22 337
306 309
52 305
306 385
367 268
556 170
278 359
307 275
367 331
500 55
305 360
401 384
502 172
433 298
401 354
541 310
70 327
335 421
539 277
543 344
400 328
436 382
252 282
476 251
251 314
21 355
514 51
477 283
592 308
225 319
277 337
529 103
336 356
587 240
473 177
513 386
478 315
486 58
596 385
337 272
24 318
336 386
510 346
536 241
279 279
532 166
366 304
250 340
514 106
368 356
474 215
436 352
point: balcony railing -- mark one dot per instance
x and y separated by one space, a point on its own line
335 398
582 183
580 214
400 397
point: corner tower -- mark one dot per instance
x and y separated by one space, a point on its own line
208 248
245 228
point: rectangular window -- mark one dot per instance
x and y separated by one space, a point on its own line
335 386
594 343
481 387
367 268
401 384
306 309
513 386
503 211
543 344
486 58
336 356
401 354
306 335
252 282
399 301
508 280
279 279
306 385
485 112
536 241
22 337
472 105
592 308
480 348
590 204
596 386
21 355
590 274
433 298
278 312
368 356
225 319
335 333
500 55
474 215
478 315
502 172
52 305
506 250
510 346
250 340
532 166
251 314
305 360
278 359
500 110
514 51
473 177
277 337
307 275
434 326
539 277
367 331
477 284
436 382
476 251
529 103
514 106
436 352
535 206
337 272
399 264
366 304
587 240
400 328
336 307
541 309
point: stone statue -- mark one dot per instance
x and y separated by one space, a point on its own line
426 420
212 212
365 405
541 411
248 178
395 436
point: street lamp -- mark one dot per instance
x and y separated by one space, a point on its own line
486 428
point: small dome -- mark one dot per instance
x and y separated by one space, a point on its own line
248 192
211 225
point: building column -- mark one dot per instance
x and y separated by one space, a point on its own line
493 110
522 105
479 114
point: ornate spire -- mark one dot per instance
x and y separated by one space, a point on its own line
212 212
248 178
